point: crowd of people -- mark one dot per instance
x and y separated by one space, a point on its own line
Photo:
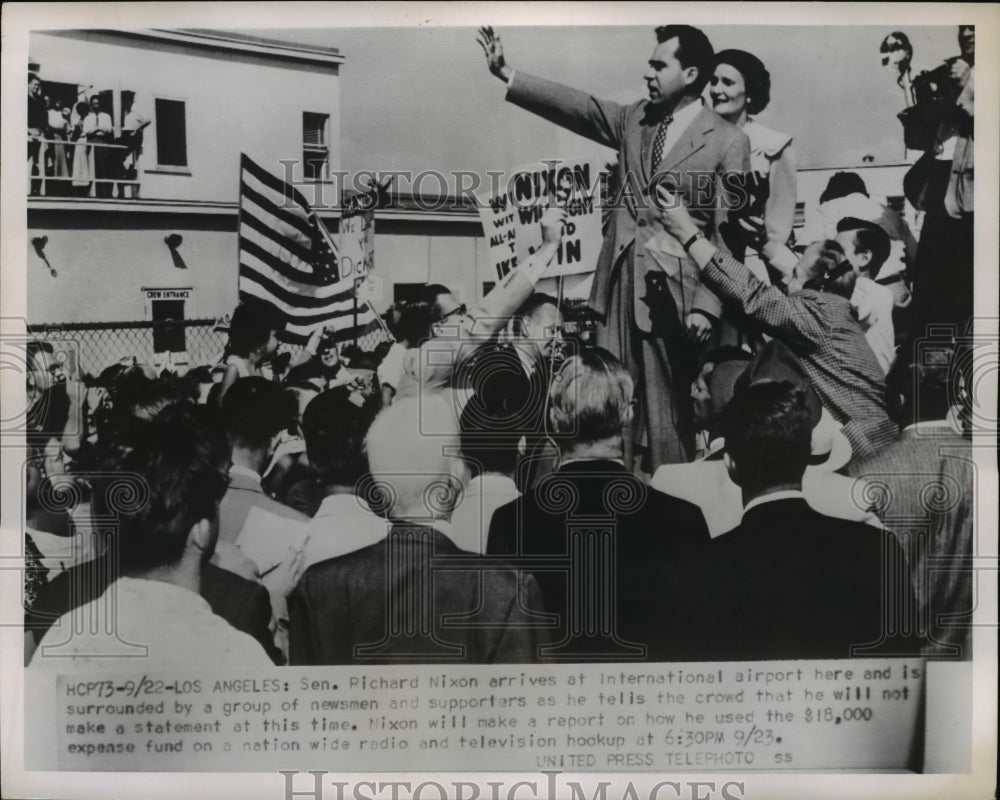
750 463
73 149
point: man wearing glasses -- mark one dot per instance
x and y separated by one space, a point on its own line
456 331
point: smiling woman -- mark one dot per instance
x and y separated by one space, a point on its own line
741 86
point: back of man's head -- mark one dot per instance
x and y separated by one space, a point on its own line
412 450
493 420
142 399
335 428
251 326
415 320
590 399
693 50
137 400
168 480
256 410
871 238
768 432
535 302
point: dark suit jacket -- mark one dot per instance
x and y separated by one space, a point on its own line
634 570
710 146
929 479
243 604
790 583
413 598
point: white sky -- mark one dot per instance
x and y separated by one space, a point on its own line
422 98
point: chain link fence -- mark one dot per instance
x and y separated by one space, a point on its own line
175 345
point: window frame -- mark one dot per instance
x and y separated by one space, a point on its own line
174 169
313 149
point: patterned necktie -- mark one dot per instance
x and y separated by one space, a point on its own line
661 137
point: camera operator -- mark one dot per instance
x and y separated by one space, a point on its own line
941 184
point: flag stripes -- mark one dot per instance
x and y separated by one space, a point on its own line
288 259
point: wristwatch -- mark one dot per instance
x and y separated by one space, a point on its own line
692 240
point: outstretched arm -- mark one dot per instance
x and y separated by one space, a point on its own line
518 285
787 317
599 120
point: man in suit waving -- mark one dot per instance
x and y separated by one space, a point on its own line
657 314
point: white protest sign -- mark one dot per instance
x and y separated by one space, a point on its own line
511 217
357 245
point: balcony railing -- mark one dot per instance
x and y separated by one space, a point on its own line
61 168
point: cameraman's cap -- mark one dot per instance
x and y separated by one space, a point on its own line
842 184
776 362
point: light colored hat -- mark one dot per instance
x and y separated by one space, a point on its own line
830 449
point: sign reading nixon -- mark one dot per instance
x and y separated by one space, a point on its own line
511 218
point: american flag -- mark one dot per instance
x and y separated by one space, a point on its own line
288 259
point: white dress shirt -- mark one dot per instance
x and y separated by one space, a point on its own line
873 304
343 523
140 625
773 497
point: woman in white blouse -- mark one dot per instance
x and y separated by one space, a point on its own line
740 88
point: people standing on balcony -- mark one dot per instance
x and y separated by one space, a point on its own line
81 172
99 130
133 125
37 121
56 129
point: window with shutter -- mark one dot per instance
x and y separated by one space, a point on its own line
315 150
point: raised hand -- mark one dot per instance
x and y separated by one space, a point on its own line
493 49
553 221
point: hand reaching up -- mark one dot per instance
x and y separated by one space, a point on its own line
553 221
493 49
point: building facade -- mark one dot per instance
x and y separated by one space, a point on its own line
160 243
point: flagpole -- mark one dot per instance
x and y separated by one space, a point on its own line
379 320
355 313
336 250
559 305
239 223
